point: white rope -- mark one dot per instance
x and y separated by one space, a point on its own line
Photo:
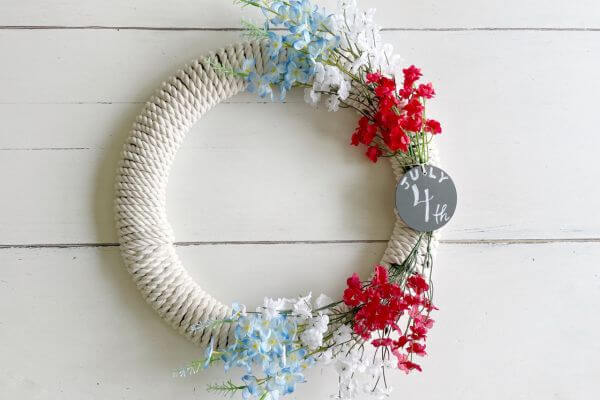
145 236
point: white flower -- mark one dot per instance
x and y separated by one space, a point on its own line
342 334
333 103
344 89
322 300
319 75
271 307
311 97
312 338
320 323
325 357
359 62
333 76
301 307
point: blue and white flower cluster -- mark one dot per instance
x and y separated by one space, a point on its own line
277 343
327 54
306 39
266 341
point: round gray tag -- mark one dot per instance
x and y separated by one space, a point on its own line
426 198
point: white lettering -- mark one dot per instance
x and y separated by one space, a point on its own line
427 199
440 214
414 173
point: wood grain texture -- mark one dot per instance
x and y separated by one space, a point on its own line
84 331
496 98
224 13
517 84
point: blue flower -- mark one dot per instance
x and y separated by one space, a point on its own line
306 362
299 38
260 85
287 330
208 353
291 376
229 358
255 347
295 356
295 74
316 48
238 309
273 72
244 327
277 14
283 89
320 21
275 44
252 389
247 67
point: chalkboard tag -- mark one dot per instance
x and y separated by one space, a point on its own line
426 198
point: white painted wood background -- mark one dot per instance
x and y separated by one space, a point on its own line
518 280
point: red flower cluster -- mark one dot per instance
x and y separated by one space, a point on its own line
399 112
380 304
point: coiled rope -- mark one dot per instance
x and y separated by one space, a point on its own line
145 236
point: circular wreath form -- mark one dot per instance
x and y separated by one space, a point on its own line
144 233
285 336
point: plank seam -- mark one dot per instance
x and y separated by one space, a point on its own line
306 242
42 148
230 29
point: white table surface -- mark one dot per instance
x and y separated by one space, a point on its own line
517 278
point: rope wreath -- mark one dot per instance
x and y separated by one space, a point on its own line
144 233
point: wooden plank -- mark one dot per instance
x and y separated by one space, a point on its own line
264 182
219 13
127 66
85 332
495 99
287 177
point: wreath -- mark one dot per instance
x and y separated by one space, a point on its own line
377 324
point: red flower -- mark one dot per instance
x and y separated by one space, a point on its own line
378 306
381 275
429 305
397 115
417 283
402 340
433 126
416 348
412 124
426 90
373 77
419 331
373 153
411 75
384 342
353 295
386 87
414 107
405 92
354 281
396 139
408 366
425 321
366 131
